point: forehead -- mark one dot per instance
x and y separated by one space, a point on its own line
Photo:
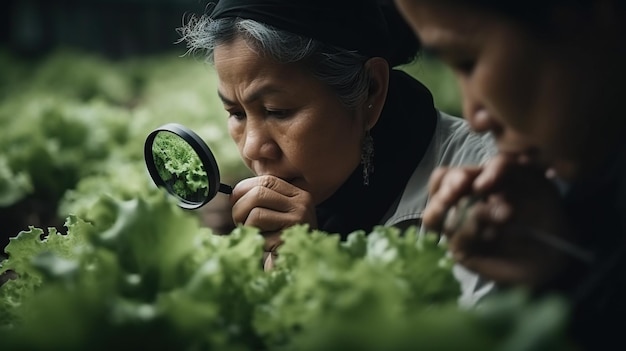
238 60
437 22
244 72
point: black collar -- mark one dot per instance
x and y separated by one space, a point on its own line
401 137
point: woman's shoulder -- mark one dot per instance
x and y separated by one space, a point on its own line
455 144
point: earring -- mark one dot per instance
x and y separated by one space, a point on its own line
367 157
370 106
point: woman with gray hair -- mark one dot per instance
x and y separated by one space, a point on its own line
336 137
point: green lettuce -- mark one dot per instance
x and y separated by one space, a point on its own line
153 277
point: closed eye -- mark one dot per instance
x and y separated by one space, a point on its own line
461 61
238 115
280 114
464 66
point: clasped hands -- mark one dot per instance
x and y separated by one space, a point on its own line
492 215
272 205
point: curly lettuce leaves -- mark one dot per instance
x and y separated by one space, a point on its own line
148 274
154 278
30 259
374 281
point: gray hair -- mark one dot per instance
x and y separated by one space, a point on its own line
340 69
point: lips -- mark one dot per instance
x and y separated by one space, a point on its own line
523 155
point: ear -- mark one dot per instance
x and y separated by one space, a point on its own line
378 70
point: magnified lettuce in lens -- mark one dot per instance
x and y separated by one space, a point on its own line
182 163
180 167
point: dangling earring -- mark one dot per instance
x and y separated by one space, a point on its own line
367 157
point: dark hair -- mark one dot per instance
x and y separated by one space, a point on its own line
536 13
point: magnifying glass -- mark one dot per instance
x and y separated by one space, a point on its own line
181 162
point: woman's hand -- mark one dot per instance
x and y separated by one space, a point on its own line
271 204
495 236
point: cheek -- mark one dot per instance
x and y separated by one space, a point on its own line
509 90
563 115
325 153
525 102
509 78
235 129
325 147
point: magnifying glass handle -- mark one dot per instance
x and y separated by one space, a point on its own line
225 189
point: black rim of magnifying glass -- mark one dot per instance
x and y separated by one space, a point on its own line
201 149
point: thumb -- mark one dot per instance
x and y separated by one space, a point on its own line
268 261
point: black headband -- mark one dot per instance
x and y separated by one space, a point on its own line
349 24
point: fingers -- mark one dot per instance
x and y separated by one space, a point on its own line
269 222
505 170
261 201
436 178
478 224
258 197
447 186
272 241
271 205
493 173
268 260
485 237
487 241
266 182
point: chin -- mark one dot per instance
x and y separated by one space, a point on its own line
299 183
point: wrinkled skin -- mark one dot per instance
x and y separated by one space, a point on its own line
293 132
551 108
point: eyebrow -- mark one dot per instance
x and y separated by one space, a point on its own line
254 96
442 45
449 41
445 49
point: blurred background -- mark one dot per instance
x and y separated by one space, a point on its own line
115 28
82 82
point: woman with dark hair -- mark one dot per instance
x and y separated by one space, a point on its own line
546 79
336 137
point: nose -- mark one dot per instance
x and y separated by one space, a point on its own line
258 143
477 115
481 121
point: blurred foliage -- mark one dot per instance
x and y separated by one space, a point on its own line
440 79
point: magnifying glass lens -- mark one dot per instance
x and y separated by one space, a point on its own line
181 162
180 167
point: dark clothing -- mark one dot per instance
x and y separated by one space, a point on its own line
598 291
401 137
